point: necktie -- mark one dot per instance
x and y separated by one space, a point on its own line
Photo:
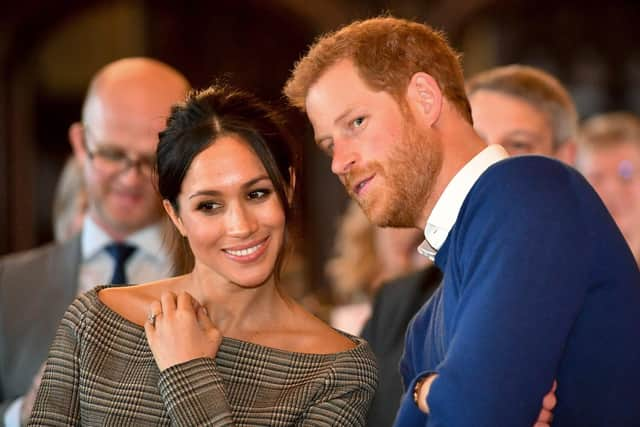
120 253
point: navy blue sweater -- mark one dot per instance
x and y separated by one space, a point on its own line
539 284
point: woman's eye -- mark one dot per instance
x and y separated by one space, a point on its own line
259 194
208 206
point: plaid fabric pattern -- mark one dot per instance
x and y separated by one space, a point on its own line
101 371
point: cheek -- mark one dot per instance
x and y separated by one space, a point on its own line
148 188
97 189
93 179
635 192
272 216
202 231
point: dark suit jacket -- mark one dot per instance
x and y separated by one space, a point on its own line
394 306
36 287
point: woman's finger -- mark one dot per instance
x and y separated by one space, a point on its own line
155 310
149 331
185 301
196 304
168 300
203 319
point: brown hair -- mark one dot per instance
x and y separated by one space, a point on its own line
537 88
387 52
610 129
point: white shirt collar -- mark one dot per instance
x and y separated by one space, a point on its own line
445 212
148 240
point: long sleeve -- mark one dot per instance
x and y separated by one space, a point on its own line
353 388
193 394
57 402
521 286
523 293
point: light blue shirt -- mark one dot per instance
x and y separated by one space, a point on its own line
149 262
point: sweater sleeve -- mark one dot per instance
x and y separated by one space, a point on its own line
349 391
57 401
520 281
194 394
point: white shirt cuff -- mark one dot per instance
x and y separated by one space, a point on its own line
12 414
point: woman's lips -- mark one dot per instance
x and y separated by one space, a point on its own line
249 252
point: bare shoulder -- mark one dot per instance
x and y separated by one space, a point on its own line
132 302
323 339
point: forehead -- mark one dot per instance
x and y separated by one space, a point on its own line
339 89
496 109
132 120
228 162
613 152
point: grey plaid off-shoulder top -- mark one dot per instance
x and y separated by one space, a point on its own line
101 372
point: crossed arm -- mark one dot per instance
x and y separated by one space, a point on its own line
544 417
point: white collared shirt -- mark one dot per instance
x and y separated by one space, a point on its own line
149 262
445 212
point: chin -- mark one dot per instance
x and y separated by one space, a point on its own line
400 219
385 217
130 225
251 282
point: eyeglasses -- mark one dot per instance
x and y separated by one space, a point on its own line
109 159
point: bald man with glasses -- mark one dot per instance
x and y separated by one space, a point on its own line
121 238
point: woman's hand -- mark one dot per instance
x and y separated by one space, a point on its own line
178 330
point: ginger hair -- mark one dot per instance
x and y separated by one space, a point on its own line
387 52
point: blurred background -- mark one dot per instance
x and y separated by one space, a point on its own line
50 50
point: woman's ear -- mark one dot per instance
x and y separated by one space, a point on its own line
424 98
291 188
175 218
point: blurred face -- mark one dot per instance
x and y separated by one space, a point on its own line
115 145
511 122
231 214
118 161
397 251
614 172
386 162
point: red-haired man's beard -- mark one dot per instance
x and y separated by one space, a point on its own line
402 185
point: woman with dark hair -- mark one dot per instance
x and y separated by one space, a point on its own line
222 344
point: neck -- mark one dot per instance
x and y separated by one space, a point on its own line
460 143
234 309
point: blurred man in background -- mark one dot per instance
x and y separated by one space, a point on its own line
609 157
524 109
121 238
